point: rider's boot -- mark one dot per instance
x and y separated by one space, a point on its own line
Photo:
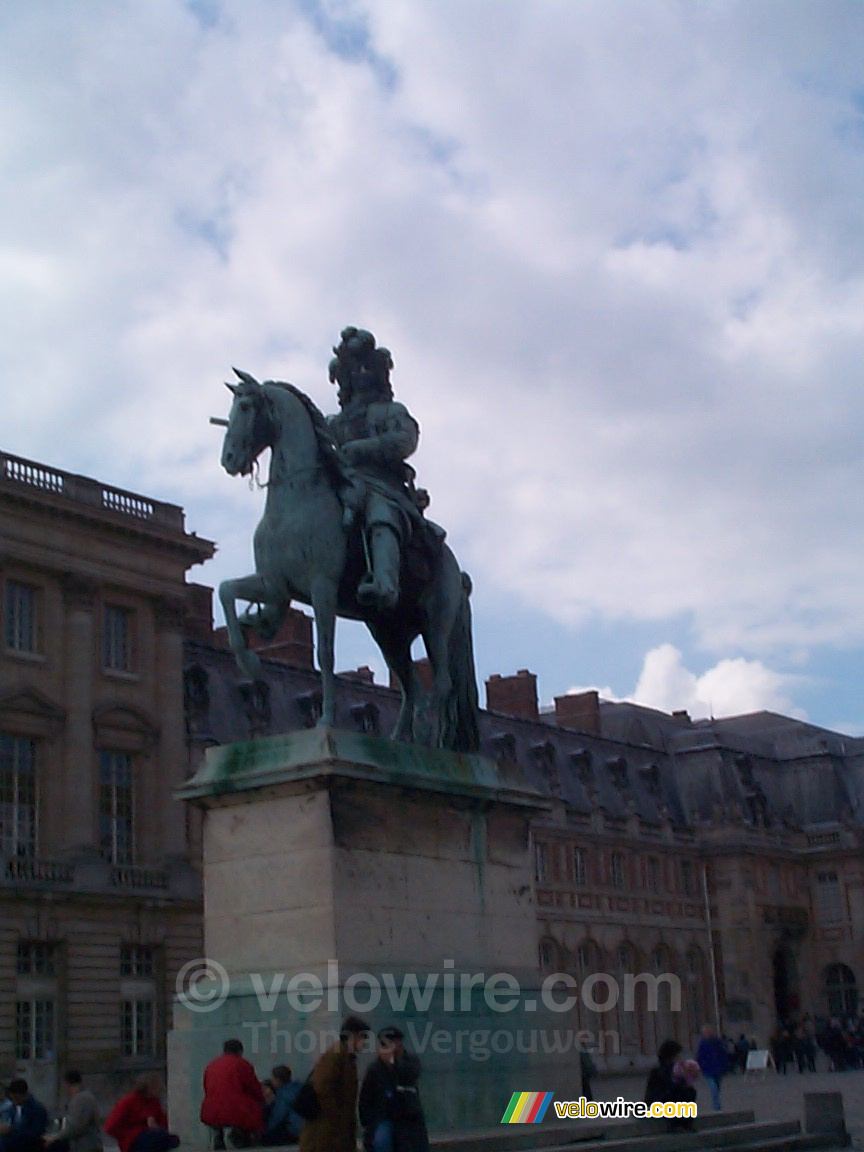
380 588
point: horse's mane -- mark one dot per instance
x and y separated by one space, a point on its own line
329 451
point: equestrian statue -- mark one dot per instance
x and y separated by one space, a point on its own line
344 530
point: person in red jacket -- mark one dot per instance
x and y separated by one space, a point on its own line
233 1098
138 1122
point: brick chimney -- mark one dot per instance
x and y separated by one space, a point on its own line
579 711
292 644
198 624
513 695
361 675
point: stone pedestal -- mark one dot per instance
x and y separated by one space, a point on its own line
347 874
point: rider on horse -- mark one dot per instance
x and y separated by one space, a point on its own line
377 435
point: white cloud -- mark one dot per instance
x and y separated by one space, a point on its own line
729 688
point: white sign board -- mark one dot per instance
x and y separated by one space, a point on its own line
759 1060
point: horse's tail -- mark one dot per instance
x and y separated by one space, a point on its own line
463 710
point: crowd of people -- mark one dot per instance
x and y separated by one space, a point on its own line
320 1113
842 1041
241 1111
137 1121
792 1045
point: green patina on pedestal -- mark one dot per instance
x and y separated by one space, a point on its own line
327 848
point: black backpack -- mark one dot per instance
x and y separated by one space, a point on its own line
306 1102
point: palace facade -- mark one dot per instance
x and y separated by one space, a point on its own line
727 853
100 898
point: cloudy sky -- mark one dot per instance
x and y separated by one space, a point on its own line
616 248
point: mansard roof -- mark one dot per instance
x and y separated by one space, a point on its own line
762 769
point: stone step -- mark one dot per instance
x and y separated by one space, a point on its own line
716 1139
553 1133
803 1142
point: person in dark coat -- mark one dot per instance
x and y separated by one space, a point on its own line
390 1109
29 1121
334 1080
661 1086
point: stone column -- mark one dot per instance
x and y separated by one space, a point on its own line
172 754
80 829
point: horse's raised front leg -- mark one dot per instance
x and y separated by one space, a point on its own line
323 595
250 588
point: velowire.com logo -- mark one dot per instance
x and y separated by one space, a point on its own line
527 1107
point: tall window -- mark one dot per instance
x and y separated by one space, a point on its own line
36 958
137 1027
580 868
136 960
842 991
696 989
117 639
20 617
586 959
688 878
652 874
541 863
34 1029
115 807
17 796
619 872
830 897
547 955
625 965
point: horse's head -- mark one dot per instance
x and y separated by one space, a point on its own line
250 426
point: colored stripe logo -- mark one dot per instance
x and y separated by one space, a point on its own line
527 1107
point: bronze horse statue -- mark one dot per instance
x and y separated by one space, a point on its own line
305 551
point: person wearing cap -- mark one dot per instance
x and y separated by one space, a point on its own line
390 1109
334 1080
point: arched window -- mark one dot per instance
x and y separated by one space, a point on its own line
666 1022
696 990
841 990
628 1021
588 961
625 959
661 960
548 955
586 958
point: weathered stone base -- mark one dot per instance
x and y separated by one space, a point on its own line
472 1060
363 864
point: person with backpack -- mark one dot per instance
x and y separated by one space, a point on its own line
328 1100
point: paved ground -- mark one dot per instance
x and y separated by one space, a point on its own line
773 1098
